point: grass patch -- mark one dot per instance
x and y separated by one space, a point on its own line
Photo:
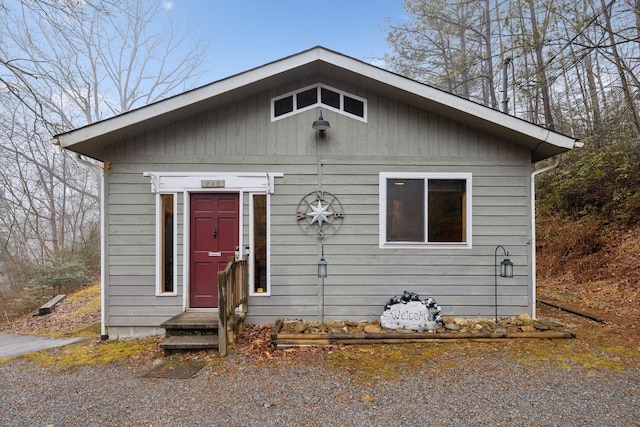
95 353
565 355
393 361
88 293
89 298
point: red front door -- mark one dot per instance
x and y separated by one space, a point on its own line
214 238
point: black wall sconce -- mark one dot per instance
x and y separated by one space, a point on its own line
506 270
321 125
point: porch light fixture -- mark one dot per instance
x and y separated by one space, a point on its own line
322 266
506 270
321 124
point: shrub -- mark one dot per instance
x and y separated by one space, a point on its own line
601 180
67 276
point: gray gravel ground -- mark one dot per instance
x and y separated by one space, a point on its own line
492 393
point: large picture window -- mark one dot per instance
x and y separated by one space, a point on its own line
425 210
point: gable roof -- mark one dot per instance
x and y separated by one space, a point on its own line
89 140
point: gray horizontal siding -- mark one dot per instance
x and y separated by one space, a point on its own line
397 138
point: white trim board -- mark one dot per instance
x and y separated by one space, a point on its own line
171 182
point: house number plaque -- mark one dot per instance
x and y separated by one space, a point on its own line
319 213
212 183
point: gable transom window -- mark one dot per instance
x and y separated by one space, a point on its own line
425 210
319 95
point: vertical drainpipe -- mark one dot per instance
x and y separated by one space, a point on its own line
104 334
103 328
555 164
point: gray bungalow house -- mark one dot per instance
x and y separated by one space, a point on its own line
317 158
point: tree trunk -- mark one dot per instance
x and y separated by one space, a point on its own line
541 75
621 67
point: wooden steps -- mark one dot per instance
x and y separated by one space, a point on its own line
190 343
194 331
191 331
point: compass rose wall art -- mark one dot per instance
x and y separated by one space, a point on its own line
319 214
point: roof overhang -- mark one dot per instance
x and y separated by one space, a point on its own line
91 139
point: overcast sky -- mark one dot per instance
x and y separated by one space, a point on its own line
243 34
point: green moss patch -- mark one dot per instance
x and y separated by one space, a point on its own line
96 353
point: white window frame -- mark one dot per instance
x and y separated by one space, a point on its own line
160 245
267 290
319 103
384 176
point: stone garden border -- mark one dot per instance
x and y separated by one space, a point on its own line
281 340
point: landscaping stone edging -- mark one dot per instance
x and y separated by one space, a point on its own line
296 333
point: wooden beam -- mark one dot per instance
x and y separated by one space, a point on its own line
572 311
49 305
319 340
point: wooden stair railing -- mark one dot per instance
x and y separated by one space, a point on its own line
232 294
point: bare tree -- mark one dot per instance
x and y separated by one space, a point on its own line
89 63
449 45
64 65
569 61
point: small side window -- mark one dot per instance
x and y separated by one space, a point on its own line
259 281
260 243
166 244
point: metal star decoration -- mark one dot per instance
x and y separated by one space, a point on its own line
319 213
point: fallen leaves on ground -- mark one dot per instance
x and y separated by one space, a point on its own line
255 344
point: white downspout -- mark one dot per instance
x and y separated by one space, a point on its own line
103 328
555 164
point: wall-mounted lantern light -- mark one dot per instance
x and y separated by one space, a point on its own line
322 268
321 125
506 270
322 265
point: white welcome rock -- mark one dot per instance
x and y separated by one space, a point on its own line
414 315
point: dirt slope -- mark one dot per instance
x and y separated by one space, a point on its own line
580 268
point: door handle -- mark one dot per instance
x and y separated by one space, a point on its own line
215 233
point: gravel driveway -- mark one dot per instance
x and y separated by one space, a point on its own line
492 392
